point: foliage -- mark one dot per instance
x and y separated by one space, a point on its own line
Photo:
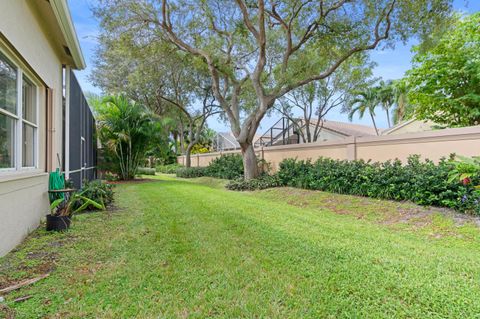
365 101
145 171
315 100
445 81
255 53
424 183
127 132
261 182
164 80
227 166
98 191
466 170
191 172
77 202
168 169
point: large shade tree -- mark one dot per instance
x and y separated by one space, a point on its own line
267 48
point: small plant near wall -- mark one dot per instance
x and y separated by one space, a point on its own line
466 171
62 210
98 191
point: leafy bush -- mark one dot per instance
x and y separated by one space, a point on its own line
228 166
262 182
168 169
423 183
145 171
191 172
97 191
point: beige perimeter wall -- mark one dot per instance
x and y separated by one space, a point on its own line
432 145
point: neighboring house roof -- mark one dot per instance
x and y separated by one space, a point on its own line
64 20
410 126
347 129
397 126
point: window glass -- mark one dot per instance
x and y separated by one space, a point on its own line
8 86
28 154
29 101
7 141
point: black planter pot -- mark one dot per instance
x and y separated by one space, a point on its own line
58 223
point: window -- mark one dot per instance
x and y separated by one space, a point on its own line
29 122
18 118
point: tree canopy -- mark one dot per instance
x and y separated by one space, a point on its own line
445 80
258 51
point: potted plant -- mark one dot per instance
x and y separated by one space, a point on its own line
62 210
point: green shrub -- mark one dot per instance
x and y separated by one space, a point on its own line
168 169
424 183
191 172
145 171
262 182
97 191
228 166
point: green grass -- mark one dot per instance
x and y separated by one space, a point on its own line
190 249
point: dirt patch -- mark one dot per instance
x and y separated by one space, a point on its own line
381 211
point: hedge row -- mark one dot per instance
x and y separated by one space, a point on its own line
168 169
229 166
422 182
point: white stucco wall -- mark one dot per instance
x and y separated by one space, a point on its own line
23 194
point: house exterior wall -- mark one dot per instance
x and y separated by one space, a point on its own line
23 193
431 145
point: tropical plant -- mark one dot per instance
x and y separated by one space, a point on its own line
365 101
97 191
127 131
466 170
386 97
402 109
70 206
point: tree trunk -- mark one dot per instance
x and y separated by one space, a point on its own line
374 124
250 167
188 156
388 118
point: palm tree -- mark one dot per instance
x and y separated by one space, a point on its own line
127 131
364 101
402 108
386 97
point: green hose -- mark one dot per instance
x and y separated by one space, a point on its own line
56 181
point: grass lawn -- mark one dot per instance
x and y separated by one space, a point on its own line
190 249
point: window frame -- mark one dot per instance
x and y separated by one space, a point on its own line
19 121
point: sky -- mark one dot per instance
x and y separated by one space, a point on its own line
391 64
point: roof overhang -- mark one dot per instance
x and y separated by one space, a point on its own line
64 19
